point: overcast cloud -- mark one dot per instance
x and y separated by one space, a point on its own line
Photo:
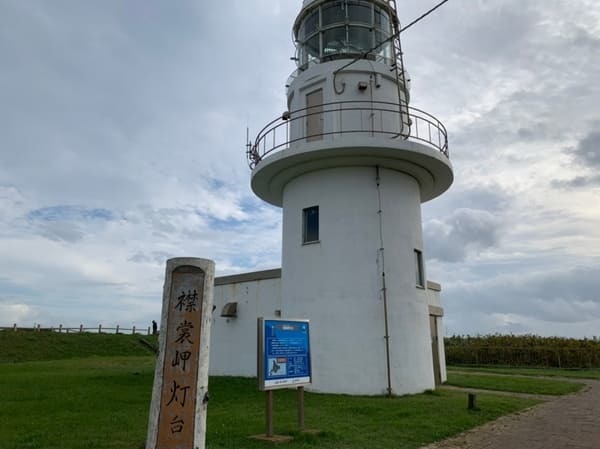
122 132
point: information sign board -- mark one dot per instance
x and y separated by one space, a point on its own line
283 353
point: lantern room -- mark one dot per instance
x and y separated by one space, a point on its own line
328 30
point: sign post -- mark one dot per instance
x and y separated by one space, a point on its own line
300 408
180 393
283 362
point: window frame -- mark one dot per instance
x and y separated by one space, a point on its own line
419 269
306 232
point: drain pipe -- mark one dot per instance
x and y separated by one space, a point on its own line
381 257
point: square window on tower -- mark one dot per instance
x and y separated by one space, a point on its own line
310 224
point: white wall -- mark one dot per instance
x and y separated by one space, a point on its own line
337 283
233 340
381 87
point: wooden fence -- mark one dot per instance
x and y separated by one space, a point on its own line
98 329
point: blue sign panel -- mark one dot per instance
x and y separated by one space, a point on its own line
285 355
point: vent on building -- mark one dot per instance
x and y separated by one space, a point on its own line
229 310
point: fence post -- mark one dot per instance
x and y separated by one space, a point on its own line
117 331
99 328
81 328
133 331
472 401
59 328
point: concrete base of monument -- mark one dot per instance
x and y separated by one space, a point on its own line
276 439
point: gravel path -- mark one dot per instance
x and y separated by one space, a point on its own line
567 422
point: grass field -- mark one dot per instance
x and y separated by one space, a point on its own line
103 403
26 346
544 372
513 384
97 395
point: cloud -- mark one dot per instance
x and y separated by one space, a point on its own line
523 302
15 313
587 152
67 223
489 197
585 156
577 183
463 233
69 213
12 203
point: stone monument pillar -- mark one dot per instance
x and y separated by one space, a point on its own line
180 393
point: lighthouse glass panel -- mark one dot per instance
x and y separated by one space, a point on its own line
382 20
310 24
342 29
312 49
333 12
334 41
359 39
360 12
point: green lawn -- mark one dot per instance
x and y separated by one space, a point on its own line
515 384
28 346
103 403
547 372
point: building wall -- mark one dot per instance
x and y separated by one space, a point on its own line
337 283
258 294
233 339
380 86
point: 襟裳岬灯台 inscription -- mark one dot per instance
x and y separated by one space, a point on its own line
178 411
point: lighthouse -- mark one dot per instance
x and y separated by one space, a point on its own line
350 162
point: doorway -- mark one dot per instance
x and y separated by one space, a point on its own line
435 349
314 117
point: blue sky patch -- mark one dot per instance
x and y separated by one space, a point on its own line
69 213
230 223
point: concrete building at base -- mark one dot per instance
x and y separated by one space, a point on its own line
240 299
349 161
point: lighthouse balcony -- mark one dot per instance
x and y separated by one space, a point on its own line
340 123
350 134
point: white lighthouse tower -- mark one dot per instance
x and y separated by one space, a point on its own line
350 163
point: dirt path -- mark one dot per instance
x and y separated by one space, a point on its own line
568 422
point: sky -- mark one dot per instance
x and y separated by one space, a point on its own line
122 144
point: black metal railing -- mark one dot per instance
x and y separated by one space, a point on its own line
366 118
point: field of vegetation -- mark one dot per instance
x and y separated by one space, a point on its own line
84 391
585 373
523 351
515 384
29 346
